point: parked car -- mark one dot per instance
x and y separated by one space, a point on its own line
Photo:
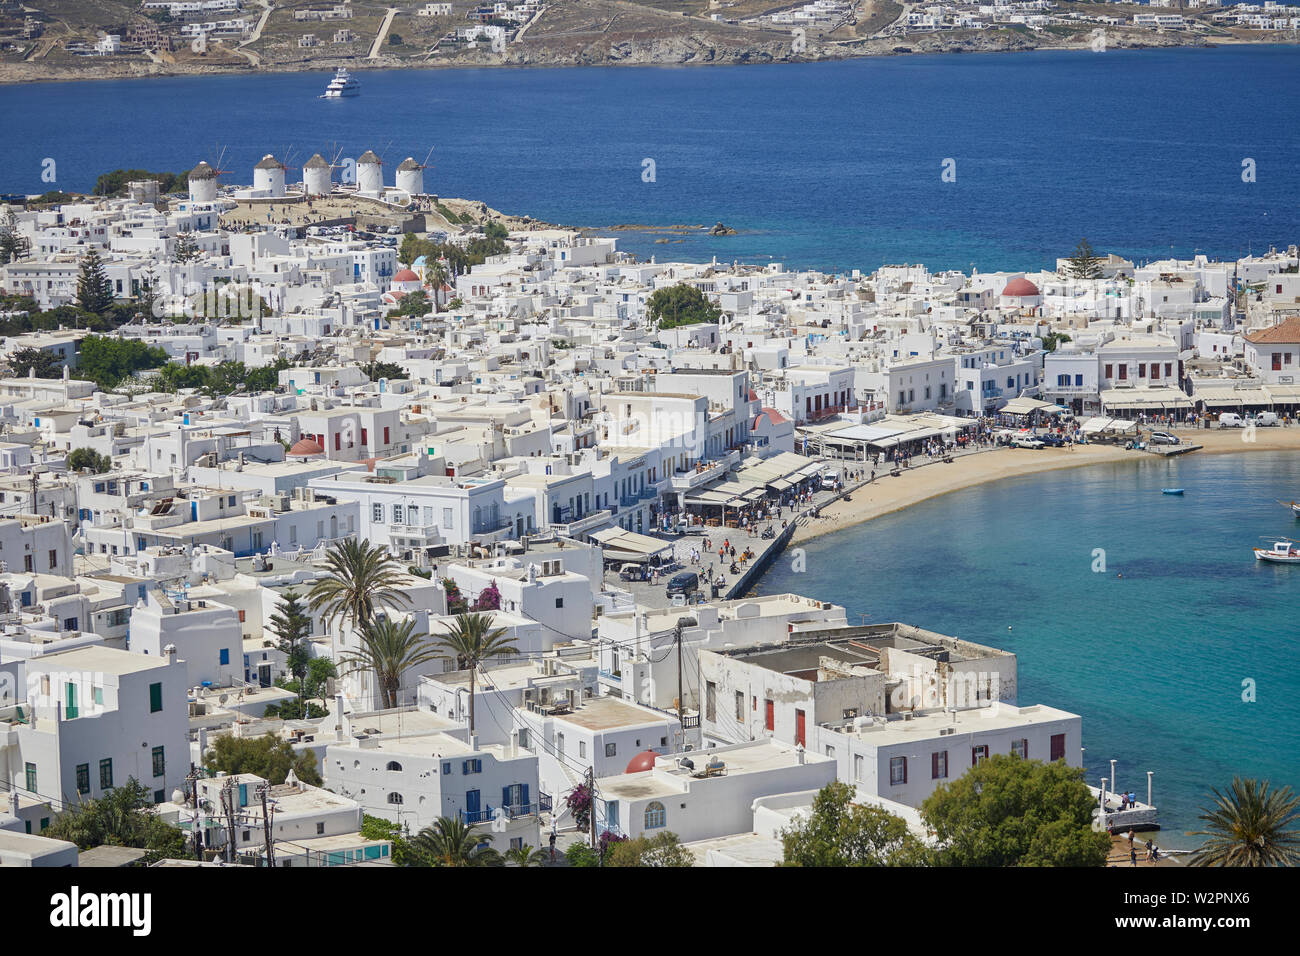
1052 440
1021 441
631 572
688 582
1164 438
1264 419
1231 420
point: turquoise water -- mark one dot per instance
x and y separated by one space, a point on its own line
1153 661
819 165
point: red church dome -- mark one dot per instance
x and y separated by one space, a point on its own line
1020 287
306 446
643 761
406 275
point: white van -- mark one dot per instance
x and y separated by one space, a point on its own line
1265 419
1231 420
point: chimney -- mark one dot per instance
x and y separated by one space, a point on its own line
13 803
338 715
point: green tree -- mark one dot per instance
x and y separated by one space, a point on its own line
291 626
266 378
269 757
320 670
377 370
114 183
359 578
412 247
663 849
1052 339
124 816
413 303
1008 811
107 361
450 842
473 640
88 458
388 650
187 249
1084 263
377 828
46 364
680 304
1250 825
13 244
842 833
94 289
524 855
495 230
436 275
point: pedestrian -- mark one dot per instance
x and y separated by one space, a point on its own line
552 846
1133 856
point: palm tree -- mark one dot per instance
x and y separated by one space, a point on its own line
1250 825
388 649
525 856
450 842
359 580
473 639
435 273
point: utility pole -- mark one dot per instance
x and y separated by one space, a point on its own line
228 801
266 825
192 780
591 812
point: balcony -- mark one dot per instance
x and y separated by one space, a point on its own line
424 535
588 522
703 473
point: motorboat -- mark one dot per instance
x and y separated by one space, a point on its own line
1171 491
1282 552
343 84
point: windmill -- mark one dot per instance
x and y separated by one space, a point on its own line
410 175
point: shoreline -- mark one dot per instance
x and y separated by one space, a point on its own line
15 74
887 495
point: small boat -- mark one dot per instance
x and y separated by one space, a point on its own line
1171 491
1282 552
1293 505
342 85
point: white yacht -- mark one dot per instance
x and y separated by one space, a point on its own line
342 85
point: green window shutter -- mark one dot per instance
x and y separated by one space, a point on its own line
71 691
155 698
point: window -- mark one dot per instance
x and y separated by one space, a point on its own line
159 762
611 750
655 817
446 518
710 701
857 767
54 559
559 744
559 602
740 705
392 798
897 771
106 774
446 767
31 777
582 749
397 514
471 766
939 765
978 754
1058 747
377 513
1020 748
155 698
394 766
223 656
523 738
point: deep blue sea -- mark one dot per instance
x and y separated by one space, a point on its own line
1154 661
827 165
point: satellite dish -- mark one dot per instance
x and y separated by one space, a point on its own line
223 698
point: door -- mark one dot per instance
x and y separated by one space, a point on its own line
264 675
472 806
769 714
1058 747
799 728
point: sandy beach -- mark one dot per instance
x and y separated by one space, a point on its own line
887 494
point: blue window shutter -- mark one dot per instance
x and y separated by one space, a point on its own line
464 767
523 798
505 796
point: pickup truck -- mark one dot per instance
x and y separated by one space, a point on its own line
1021 441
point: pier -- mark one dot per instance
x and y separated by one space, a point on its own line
1170 451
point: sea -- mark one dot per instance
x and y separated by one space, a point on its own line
987 161
1146 614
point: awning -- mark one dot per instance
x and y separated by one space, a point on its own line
1023 406
1095 426
621 545
1154 399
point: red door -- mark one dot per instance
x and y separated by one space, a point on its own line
770 715
799 727
1058 747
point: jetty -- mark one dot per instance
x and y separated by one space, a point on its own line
1170 451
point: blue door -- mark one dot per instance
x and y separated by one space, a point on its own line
472 806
